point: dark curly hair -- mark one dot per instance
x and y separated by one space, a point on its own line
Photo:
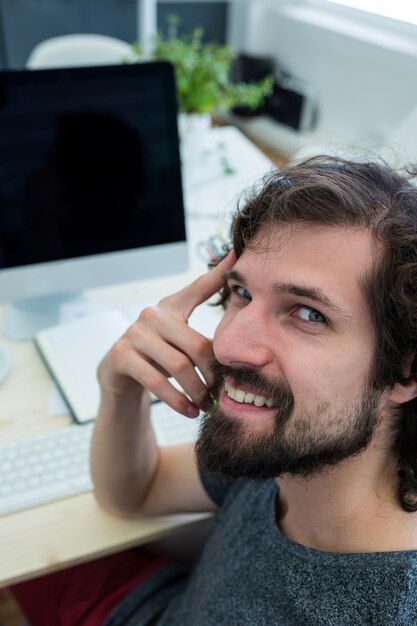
369 195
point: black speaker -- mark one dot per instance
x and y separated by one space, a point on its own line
291 102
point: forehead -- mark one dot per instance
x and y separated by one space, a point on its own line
332 259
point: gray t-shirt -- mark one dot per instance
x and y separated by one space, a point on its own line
251 575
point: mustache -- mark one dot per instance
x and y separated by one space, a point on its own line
277 390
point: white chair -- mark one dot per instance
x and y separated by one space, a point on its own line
78 50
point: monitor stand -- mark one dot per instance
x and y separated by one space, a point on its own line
24 318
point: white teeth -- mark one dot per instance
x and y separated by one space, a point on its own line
259 401
238 395
231 392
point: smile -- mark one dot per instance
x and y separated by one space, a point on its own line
245 397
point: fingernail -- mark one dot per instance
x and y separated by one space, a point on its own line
192 411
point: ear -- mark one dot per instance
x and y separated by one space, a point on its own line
404 392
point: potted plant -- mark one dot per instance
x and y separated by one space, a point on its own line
203 73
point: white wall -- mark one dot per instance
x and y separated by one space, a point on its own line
364 71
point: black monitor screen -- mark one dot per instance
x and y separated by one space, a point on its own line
89 162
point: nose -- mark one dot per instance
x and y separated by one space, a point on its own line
242 338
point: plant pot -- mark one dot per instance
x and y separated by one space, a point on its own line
194 129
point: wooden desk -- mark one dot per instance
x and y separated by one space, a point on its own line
69 531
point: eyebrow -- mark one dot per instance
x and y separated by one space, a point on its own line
302 291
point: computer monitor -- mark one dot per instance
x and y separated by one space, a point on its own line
90 183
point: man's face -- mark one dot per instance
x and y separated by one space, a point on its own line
293 351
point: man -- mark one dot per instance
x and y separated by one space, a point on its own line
308 449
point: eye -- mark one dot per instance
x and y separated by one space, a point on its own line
308 314
241 292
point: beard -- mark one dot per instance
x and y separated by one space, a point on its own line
298 441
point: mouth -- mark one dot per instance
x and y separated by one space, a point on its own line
247 397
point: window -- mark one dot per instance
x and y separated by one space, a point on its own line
402 10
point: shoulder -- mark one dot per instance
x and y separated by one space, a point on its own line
223 489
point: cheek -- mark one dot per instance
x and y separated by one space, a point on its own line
333 376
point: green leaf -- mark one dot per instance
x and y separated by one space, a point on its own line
202 72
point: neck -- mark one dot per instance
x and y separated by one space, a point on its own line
351 507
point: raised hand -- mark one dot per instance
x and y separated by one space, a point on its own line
160 344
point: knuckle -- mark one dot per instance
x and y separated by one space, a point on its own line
133 333
148 314
180 364
155 382
118 350
116 360
200 345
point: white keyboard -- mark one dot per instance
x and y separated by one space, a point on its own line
55 465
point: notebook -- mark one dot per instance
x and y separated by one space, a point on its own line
72 352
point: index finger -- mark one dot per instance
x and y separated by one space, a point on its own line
201 289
